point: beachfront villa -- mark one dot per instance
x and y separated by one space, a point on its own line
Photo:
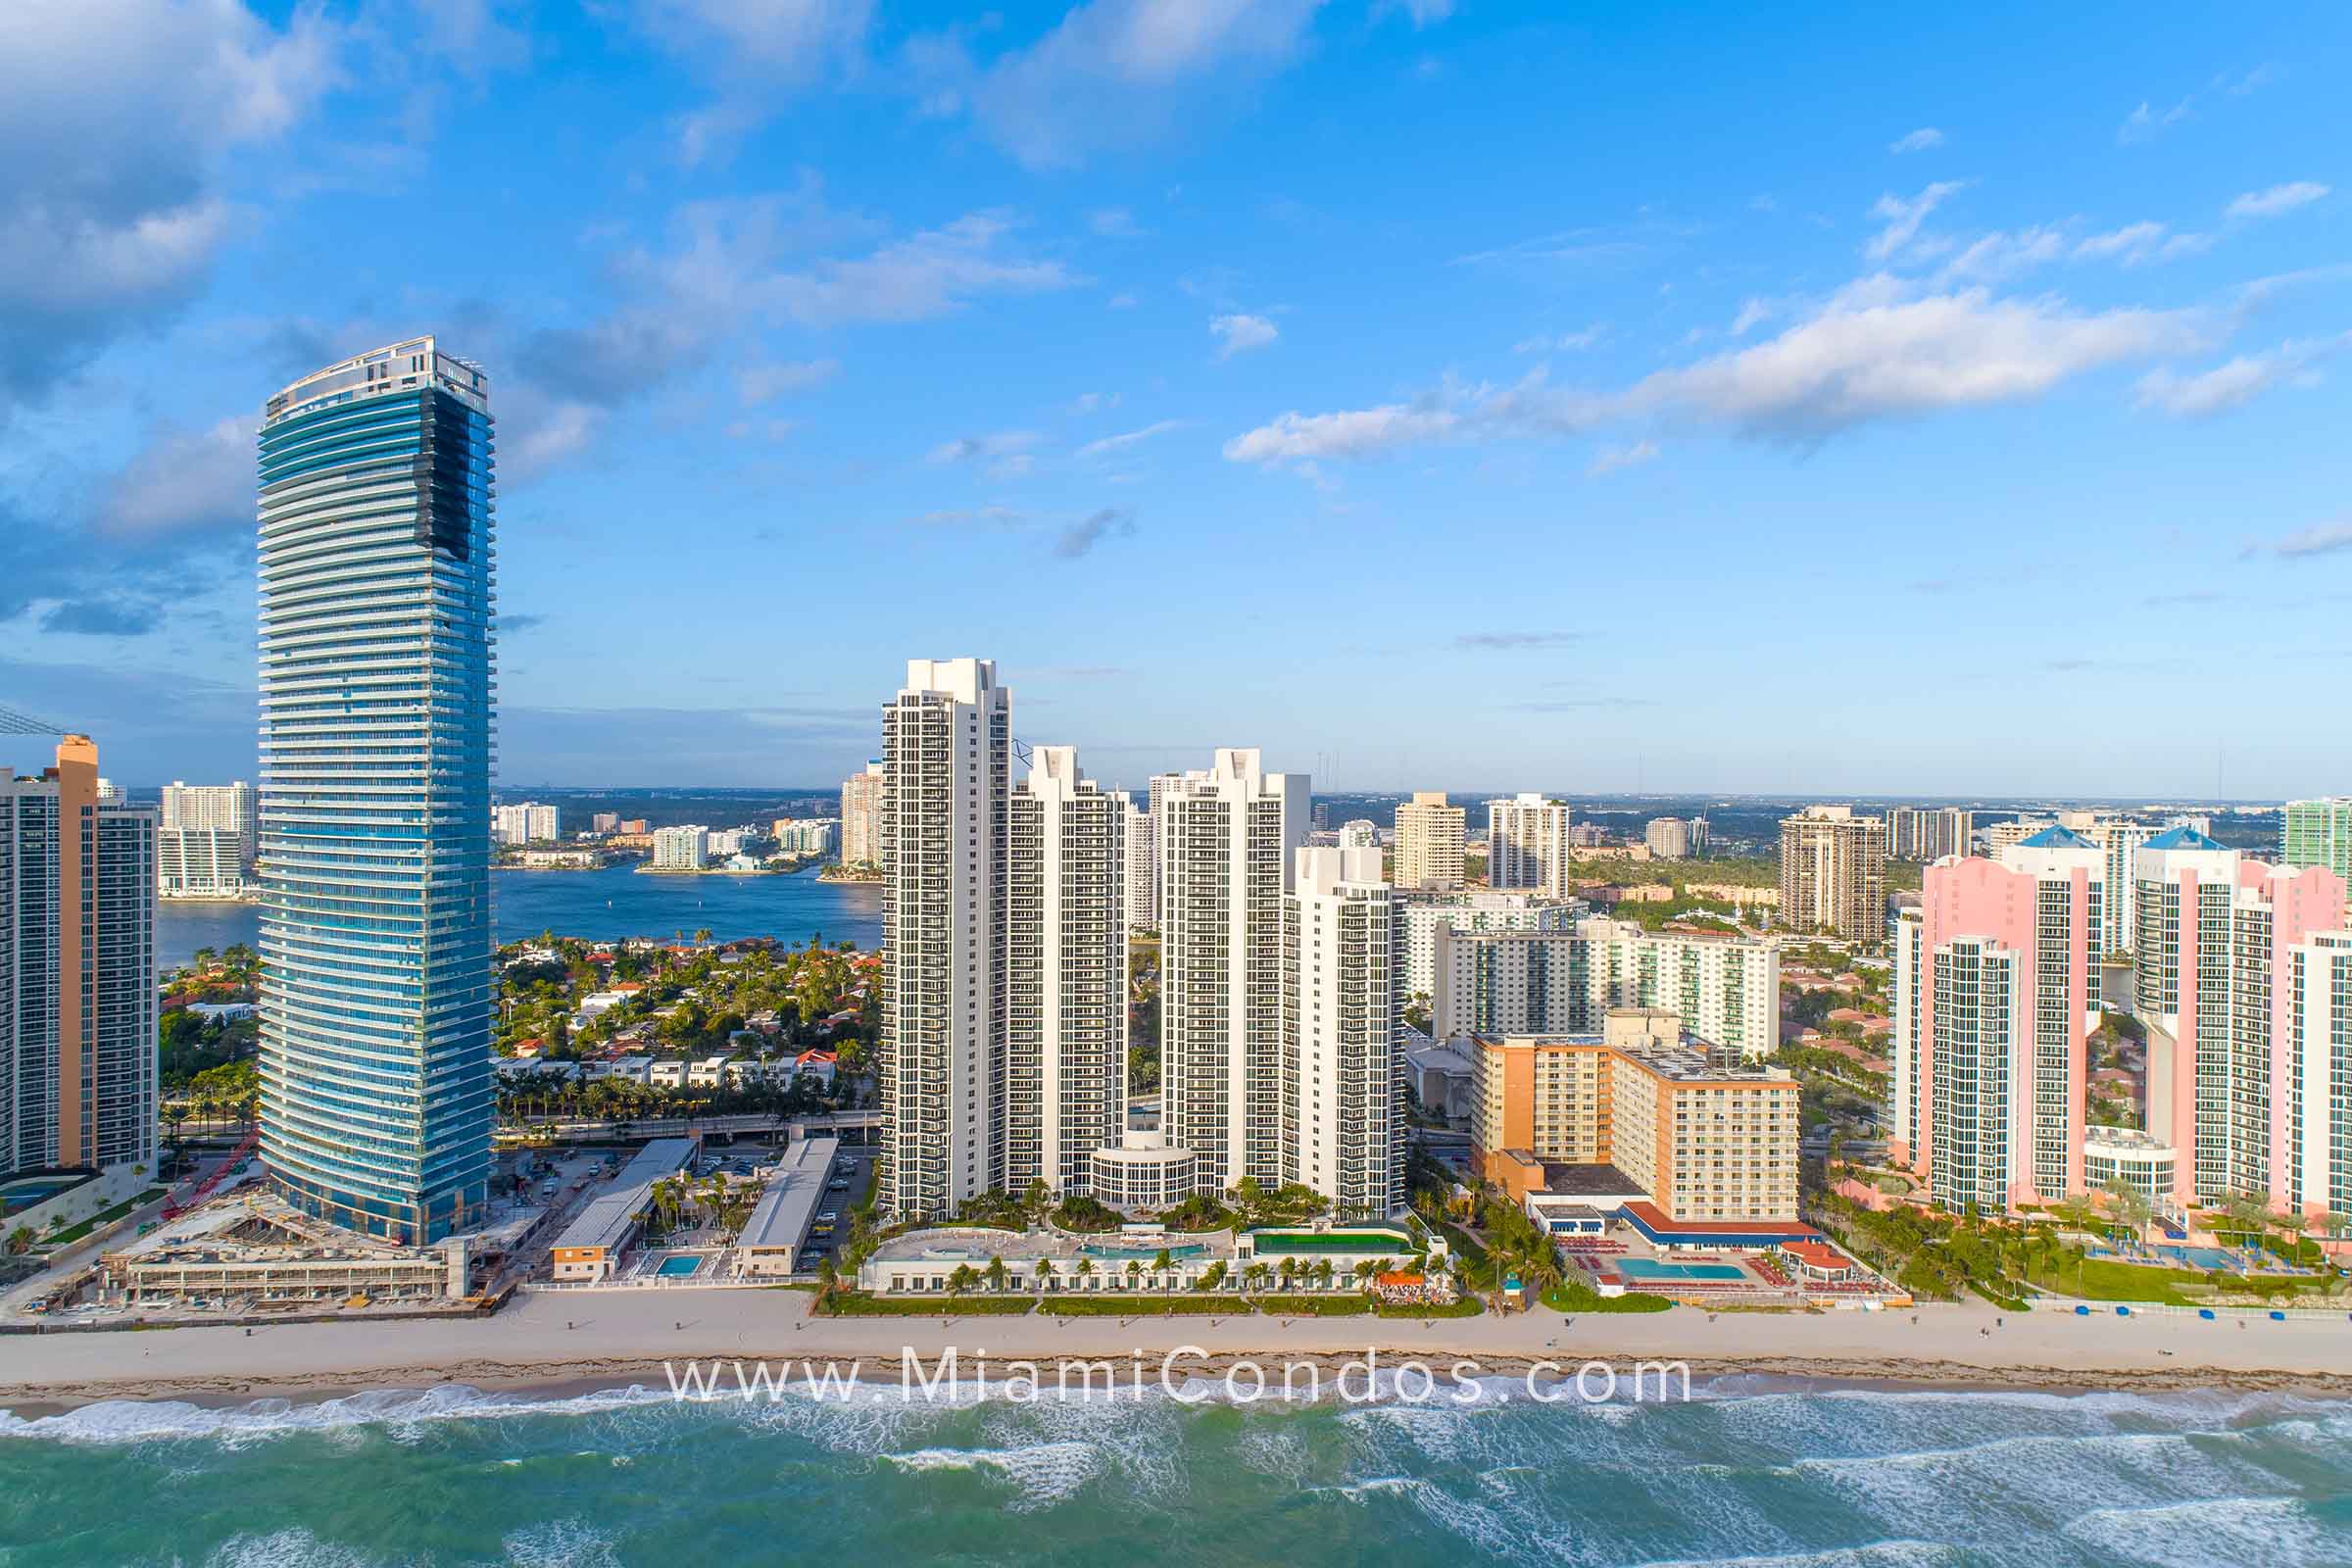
924 1262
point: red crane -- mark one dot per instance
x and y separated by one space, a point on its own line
204 1189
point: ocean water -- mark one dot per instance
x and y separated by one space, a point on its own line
1743 1473
603 905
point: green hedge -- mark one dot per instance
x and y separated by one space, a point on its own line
1340 1304
856 1303
1141 1305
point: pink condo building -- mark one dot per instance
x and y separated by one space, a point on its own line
1994 978
2244 982
2217 939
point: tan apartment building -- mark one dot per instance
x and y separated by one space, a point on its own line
1707 1143
1833 873
1429 843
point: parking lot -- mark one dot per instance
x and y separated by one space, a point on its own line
842 1192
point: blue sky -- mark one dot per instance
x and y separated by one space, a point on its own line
1463 395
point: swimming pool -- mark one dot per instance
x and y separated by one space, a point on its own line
18 1196
1645 1268
1146 1254
674 1267
2208 1258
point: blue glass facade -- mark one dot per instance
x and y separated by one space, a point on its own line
377 648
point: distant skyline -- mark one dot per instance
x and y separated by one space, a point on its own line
1705 402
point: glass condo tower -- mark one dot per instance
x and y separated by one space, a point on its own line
376 654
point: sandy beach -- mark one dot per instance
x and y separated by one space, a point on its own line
575 1341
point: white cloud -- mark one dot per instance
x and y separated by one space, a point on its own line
119 117
1568 342
182 481
1112 223
1875 352
1991 258
752 50
1611 458
1879 348
928 274
1902 218
995 447
2237 383
1362 433
1115 72
1752 314
1238 334
2322 539
1092 402
1918 141
2143 123
1125 439
2278 199
1421 13
763 383
2130 244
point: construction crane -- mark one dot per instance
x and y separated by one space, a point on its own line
12 722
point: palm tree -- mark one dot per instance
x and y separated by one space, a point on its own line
962 1280
20 1239
995 1273
1323 1273
1289 1271
1254 1276
1086 1267
1045 1275
828 1277
1135 1269
1164 1265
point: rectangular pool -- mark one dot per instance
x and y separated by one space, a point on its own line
2207 1258
676 1266
1645 1268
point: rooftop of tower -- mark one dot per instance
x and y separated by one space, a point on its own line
405 367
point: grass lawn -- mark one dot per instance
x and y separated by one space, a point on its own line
2105 1279
856 1303
1463 1306
1337 1304
1584 1299
1181 1305
1462 1244
106 1216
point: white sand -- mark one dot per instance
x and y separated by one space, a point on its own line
620 1337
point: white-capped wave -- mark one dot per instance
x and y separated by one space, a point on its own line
1044 1473
2275 1532
120 1421
560 1543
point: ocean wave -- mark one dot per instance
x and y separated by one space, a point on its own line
1044 1473
562 1544
2275 1532
1875 1554
126 1421
285 1549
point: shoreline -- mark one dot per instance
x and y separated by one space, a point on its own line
554 1381
565 1343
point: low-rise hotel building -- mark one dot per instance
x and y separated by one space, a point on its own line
1708 1142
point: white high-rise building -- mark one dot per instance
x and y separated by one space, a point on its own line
1064 1084
1142 865
1227 836
947 750
197 863
1527 844
2315 1075
526 822
206 841
1343 1066
1360 834
1833 873
1725 989
681 849
1420 918
1158 788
